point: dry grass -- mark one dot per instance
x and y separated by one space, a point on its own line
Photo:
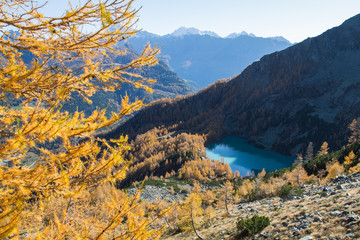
288 211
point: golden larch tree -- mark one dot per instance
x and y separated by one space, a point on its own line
70 161
334 169
324 149
209 214
191 210
354 127
349 159
226 196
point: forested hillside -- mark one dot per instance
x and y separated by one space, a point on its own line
166 84
306 93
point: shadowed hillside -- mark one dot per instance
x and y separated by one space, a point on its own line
308 92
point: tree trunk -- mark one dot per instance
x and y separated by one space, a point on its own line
226 205
193 225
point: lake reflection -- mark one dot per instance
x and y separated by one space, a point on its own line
245 158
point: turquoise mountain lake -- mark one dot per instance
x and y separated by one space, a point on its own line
244 157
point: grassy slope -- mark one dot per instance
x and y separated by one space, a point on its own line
285 216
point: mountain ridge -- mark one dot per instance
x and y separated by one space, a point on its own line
305 93
203 59
182 31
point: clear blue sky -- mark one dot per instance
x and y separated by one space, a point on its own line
292 19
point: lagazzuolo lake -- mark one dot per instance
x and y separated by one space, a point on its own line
245 157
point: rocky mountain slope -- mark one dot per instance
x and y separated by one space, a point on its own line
318 199
308 92
203 57
330 211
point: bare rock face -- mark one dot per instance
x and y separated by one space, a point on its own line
308 92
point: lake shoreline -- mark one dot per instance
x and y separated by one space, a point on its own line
245 157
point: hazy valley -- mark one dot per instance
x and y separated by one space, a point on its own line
204 57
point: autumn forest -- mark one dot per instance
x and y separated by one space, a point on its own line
98 141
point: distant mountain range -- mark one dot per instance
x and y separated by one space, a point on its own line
203 57
167 85
306 93
182 31
243 33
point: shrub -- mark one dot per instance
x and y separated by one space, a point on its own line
251 226
254 194
318 163
285 191
277 173
289 190
184 191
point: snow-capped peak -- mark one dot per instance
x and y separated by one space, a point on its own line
243 33
192 31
